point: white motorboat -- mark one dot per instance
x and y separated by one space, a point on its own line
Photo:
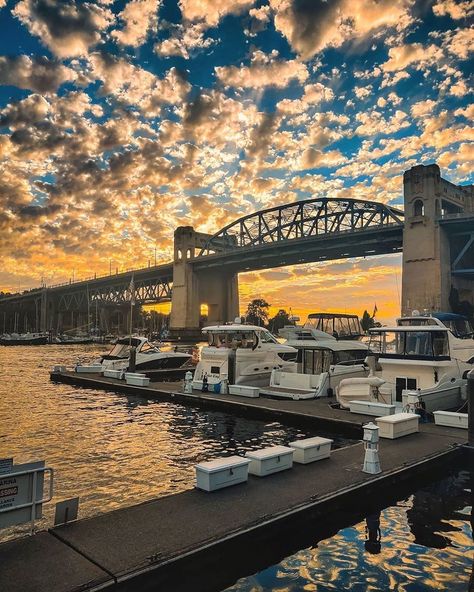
24 339
421 356
322 362
148 356
243 355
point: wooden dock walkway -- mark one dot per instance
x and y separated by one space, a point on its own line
202 541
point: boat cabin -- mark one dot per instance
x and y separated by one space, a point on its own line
341 326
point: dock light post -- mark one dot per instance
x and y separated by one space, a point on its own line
188 383
371 447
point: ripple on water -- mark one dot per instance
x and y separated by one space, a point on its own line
112 450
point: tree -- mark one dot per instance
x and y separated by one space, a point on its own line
281 319
367 321
257 312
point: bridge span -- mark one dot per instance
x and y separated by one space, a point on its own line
435 232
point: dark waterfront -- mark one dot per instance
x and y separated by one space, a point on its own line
115 451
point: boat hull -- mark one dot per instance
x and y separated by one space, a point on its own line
32 341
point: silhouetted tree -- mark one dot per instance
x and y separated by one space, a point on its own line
257 312
367 321
281 319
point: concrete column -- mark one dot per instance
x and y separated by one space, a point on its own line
427 277
218 288
220 291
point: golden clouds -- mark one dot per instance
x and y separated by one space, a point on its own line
67 28
311 27
264 70
140 18
212 11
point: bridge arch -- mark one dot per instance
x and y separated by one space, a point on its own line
302 219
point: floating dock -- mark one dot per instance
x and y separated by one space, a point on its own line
203 541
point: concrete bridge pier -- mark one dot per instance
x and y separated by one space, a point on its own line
191 289
429 247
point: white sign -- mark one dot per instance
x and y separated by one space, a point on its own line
6 465
17 491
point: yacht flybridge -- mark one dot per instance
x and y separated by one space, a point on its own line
243 355
322 362
149 357
421 354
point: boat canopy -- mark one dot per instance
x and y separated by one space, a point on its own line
410 342
459 325
344 326
238 336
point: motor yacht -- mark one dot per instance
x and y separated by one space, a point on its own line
322 362
242 354
24 339
148 356
420 356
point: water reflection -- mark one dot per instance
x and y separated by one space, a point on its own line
111 449
373 535
398 548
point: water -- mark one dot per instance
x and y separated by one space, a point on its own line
423 543
110 449
114 451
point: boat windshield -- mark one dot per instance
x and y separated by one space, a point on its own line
344 326
233 339
120 350
410 344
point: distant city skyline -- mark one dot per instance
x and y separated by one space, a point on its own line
121 120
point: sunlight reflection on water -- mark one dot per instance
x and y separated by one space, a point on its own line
425 543
112 450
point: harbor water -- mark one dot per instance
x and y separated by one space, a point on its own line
109 449
113 451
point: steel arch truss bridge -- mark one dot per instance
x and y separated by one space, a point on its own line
144 292
310 224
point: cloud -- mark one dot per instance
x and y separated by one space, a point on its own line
140 18
32 109
422 108
38 74
264 70
461 43
68 28
212 11
414 53
313 25
313 158
373 123
184 41
455 9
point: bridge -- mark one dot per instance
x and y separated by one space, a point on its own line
436 235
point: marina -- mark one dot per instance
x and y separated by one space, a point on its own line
182 183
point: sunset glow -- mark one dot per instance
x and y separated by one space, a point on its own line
121 120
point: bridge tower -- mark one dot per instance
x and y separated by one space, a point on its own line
429 245
218 289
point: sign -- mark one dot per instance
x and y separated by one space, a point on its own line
17 491
6 465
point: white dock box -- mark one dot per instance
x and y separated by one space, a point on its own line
221 472
244 391
93 369
397 425
451 419
270 460
136 379
371 408
311 449
109 373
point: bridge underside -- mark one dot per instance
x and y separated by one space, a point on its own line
318 248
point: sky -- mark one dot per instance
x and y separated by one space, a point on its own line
123 119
